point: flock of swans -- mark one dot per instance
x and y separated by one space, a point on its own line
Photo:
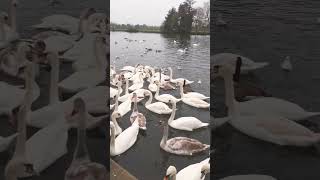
133 84
269 119
58 39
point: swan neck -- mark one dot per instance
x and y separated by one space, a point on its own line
158 89
170 73
20 148
115 122
100 54
135 107
165 134
81 152
13 18
54 97
127 86
181 90
112 140
149 100
117 99
232 110
2 31
173 113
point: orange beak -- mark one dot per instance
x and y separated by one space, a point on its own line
166 178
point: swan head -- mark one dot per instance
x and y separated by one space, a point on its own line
4 17
147 93
205 169
14 3
78 106
171 172
18 167
116 115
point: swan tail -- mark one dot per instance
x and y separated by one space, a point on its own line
204 125
313 114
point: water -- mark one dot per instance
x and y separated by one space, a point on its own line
145 159
29 13
269 31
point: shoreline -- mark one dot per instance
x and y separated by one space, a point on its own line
157 32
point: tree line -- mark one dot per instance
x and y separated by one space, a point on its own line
133 28
187 19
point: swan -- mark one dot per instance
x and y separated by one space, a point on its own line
6 141
14 96
65 23
8 32
266 127
249 177
181 145
270 105
184 123
95 99
19 165
136 116
182 50
81 166
124 140
124 107
195 102
164 97
84 79
137 85
180 80
229 58
128 68
195 171
157 107
191 94
117 128
58 43
286 65
79 105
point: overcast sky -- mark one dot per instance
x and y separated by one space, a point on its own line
150 12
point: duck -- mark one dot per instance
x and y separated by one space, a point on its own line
191 94
229 58
181 80
125 140
270 105
184 123
81 163
286 65
267 127
196 171
249 177
164 97
180 145
136 115
156 107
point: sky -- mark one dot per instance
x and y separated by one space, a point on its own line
149 12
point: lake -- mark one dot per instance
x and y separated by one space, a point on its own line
269 31
145 159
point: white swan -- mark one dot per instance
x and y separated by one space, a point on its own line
195 171
182 50
266 127
229 58
184 123
8 32
14 96
180 145
124 140
124 107
81 163
249 177
164 97
90 77
286 64
157 107
191 94
179 80
271 105
126 96
195 102
6 141
117 128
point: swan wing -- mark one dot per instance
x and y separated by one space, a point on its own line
186 146
126 139
187 122
6 141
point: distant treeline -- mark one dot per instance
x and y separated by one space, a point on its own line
134 28
186 20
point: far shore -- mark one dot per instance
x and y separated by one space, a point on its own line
154 31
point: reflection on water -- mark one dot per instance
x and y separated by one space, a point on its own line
145 159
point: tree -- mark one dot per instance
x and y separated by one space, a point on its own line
185 16
170 24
